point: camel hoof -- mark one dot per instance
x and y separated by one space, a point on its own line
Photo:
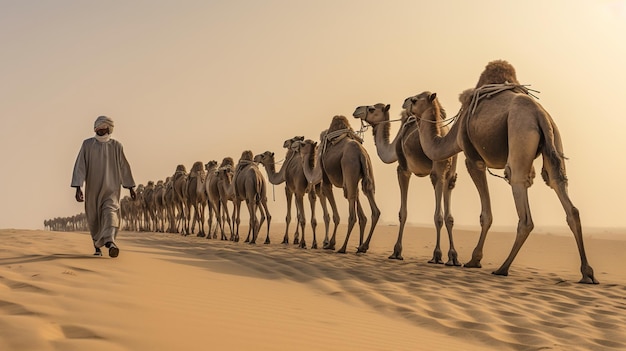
303 244
453 263
504 272
396 256
200 235
329 247
361 249
342 250
473 264
436 261
296 241
314 246
589 280
267 242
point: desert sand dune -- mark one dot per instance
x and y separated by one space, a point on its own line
169 292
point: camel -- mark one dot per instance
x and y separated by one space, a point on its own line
159 206
342 162
248 184
224 179
500 126
292 175
213 198
196 198
169 199
148 209
180 199
407 151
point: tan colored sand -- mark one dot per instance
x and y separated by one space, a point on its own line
168 292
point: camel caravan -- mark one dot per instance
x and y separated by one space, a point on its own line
500 126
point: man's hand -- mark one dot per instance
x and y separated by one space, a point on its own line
133 195
79 195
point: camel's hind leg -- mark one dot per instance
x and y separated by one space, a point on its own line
301 218
328 193
362 220
404 177
289 197
326 215
352 204
375 216
312 201
519 170
265 209
559 184
477 170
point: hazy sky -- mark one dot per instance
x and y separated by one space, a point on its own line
193 81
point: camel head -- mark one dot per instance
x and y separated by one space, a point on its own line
210 165
181 169
225 173
418 104
265 158
227 161
290 142
307 147
372 114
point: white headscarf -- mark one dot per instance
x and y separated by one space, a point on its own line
103 121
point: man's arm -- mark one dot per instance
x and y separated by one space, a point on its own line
79 194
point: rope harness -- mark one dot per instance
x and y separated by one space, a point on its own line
336 136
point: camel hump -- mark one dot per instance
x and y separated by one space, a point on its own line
497 72
339 122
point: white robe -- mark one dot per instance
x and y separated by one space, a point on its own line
103 167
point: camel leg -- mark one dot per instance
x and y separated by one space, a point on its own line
210 214
269 220
301 218
524 225
326 216
312 201
328 192
477 171
253 222
404 178
375 216
362 219
352 204
438 217
289 196
236 220
573 220
449 219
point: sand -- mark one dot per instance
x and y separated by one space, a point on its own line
169 292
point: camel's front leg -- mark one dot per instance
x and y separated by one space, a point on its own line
312 201
449 220
288 196
438 217
404 177
477 170
328 192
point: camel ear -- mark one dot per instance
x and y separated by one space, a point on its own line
432 97
387 107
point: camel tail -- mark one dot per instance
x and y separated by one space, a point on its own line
367 183
554 159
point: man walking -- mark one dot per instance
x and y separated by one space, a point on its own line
102 166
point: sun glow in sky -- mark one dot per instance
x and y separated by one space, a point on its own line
190 81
